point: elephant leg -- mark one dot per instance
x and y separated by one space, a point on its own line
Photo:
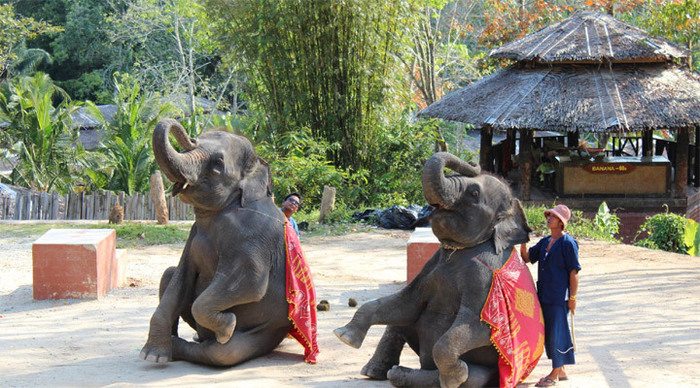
386 355
479 376
467 332
399 309
241 347
158 347
224 292
185 311
400 376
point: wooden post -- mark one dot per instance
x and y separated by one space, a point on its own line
158 198
681 177
572 139
327 202
485 155
525 160
648 143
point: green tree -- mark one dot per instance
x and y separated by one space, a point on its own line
14 31
326 65
39 135
678 21
171 48
438 57
124 160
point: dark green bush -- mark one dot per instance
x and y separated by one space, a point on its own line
665 231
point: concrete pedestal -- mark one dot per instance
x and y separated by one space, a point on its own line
420 248
75 263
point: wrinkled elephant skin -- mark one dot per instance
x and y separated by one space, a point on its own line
230 282
478 221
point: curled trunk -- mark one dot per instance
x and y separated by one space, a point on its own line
444 191
178 167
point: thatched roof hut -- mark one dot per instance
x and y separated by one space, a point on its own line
590 37
577 98
591 73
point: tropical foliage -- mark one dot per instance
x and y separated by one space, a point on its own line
124 160
38 134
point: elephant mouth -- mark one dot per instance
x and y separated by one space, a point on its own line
179 187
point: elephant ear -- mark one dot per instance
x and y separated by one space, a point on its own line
256 183
511 228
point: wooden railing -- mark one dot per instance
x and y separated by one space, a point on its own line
29 205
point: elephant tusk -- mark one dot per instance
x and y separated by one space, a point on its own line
185 185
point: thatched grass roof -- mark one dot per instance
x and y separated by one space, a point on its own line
571 98
590 37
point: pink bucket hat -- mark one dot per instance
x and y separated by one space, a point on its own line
562 212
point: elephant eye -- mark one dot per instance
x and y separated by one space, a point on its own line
218 165
475 193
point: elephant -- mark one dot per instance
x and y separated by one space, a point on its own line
229 284
477 221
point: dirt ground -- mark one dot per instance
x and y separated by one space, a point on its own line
637 322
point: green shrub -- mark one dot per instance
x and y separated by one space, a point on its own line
665 231
604 226
298 164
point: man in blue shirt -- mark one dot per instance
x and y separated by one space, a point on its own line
557 276
291 205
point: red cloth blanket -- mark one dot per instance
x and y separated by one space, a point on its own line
513 312
300 296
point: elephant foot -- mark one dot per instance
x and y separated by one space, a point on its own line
456 377
400 376
375 370
157 352
350 336
226 331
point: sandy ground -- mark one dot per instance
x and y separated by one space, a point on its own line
637 323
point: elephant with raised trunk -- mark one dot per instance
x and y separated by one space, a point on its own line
230 282
477 221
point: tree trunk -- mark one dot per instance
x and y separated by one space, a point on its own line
158 198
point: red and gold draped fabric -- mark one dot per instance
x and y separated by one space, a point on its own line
300 296
513 312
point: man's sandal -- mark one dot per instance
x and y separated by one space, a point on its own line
563 378
546 382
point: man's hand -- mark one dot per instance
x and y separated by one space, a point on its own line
572 305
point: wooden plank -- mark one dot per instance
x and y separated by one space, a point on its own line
44 208
53 215
106 206
18 206
75 206
89 206
64 208
141 206
28 207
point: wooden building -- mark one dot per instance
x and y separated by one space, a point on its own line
590 73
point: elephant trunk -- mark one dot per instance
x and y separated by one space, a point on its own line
442 191
178 167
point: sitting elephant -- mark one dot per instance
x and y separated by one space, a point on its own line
477 221
230 282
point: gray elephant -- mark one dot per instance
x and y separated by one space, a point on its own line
477 221
230 282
